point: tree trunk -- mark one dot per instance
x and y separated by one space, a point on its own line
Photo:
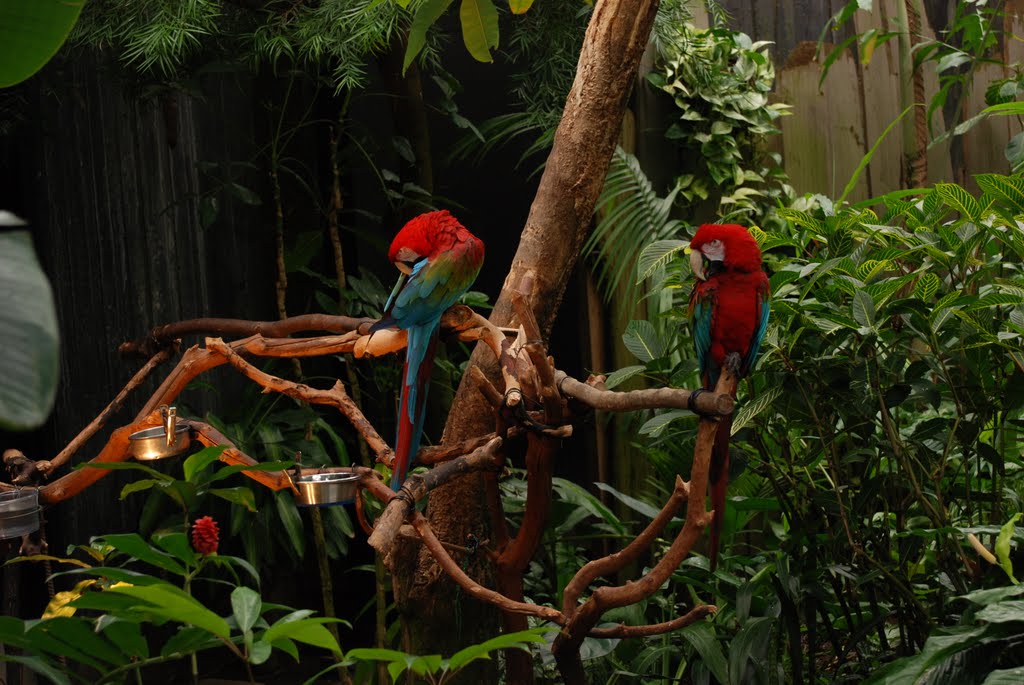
555 229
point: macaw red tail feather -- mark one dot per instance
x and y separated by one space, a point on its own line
419 361
718 480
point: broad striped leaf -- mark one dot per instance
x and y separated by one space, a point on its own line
751 409
926 287
620 376
656 424
959 199
1009 188
997 300
657 256
871 268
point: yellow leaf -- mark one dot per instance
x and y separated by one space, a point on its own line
519 6
58 606
479 28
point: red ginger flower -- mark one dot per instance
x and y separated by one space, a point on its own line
205 535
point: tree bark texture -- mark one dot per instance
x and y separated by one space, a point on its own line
549 247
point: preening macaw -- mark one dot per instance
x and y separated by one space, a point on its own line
729 314
439 260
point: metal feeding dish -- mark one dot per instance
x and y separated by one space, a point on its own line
160 442
19 512
325 489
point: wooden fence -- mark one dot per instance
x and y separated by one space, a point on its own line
833 126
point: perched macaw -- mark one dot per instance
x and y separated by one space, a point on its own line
439 260
729 314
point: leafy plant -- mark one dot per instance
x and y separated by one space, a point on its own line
720 82
107 622
437 670
882 426
29 322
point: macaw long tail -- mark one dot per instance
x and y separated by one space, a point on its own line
718 480
419 360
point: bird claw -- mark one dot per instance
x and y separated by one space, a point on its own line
733 362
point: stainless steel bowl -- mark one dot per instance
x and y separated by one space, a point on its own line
325 489
151 443
19 513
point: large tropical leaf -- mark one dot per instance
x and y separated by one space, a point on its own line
31 33
28 325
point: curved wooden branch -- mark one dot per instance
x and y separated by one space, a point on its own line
335 397
115 450
471 587
622 631
613 563
581 621
48 467
418 485
163 337
708 403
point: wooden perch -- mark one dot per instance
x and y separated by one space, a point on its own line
708 403
418 485
531 409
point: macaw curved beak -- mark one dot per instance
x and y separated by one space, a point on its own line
697 264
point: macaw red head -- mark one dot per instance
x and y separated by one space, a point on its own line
729 246
423 237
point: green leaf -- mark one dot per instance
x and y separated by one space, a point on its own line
620 376
655 425
241 495
864 309
1009 188
750 644
138 486
657 256
751 409
519 6
133 545
866 159
1010 611
926 287
1002 546
702 637
174 604
479 28
187 640
1007 676
245 604
28 320
290 520
127 635
519 640
30 35
639 506
200 460
176 544
43 668
428 13
310 631
959 199
642 340
78 635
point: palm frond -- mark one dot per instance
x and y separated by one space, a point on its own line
631 216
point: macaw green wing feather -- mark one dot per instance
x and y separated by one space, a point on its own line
702 308
764 307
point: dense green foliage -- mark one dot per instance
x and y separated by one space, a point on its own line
882 426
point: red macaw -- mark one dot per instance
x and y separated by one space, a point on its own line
439 260
729 314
